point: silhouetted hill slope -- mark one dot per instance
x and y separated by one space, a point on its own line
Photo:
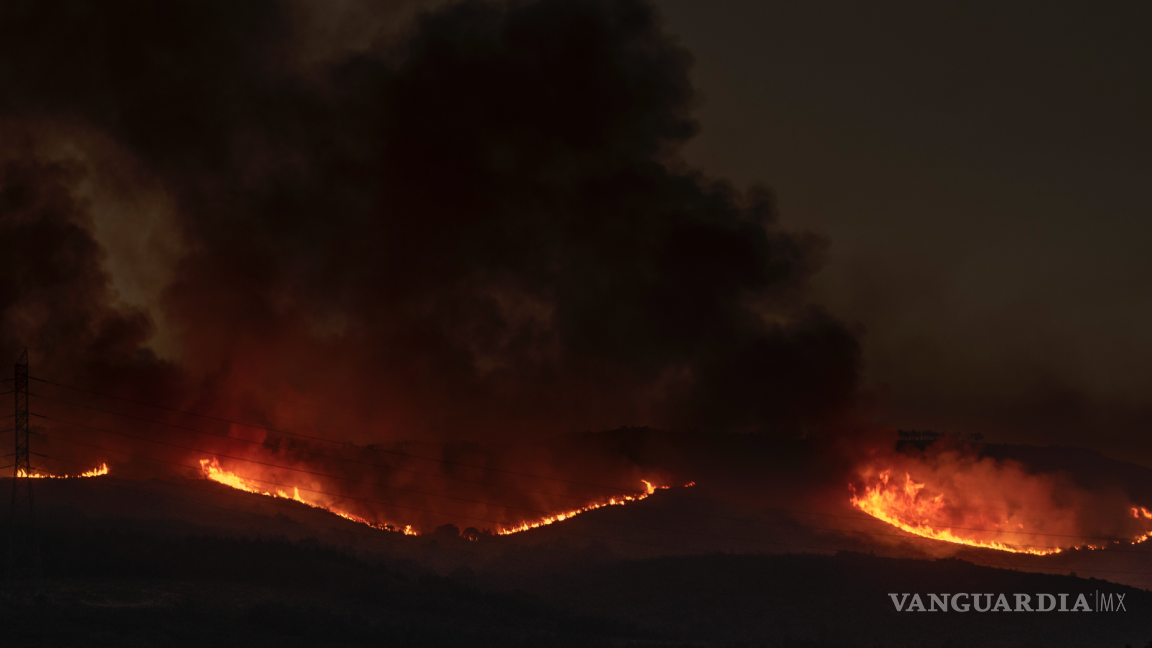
838 600
107 587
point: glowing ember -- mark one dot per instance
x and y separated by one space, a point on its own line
619 500
210 468
102 469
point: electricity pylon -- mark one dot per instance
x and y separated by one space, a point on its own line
23 551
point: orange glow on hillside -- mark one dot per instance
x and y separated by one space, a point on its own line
905 506
102 469
210 469
959 496
618 500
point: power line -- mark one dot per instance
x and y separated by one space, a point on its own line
318 474
434 512
392 468
472 501
299 470
384 466
868 519
391 536
323 440
412 508
263 481
328 456
387 534
441 513
484 468
242 495
495 540
486 503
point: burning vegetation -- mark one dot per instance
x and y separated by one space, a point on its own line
619 500
211 469
903 504
98 471
958 497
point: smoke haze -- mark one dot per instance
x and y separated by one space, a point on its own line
476 225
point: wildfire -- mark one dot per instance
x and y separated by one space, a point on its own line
957 495
210 468
566 515
102 469
906 507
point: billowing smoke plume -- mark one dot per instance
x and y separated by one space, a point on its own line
479 229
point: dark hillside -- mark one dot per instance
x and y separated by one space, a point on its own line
141 589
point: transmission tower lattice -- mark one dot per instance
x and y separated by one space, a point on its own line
23 551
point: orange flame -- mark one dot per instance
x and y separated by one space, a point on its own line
619 500
102 469
210 469
958 496
903 506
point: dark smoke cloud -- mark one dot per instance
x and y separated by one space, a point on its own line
54 294
481 229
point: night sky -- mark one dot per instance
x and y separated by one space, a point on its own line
981 170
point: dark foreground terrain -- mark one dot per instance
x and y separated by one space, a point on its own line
107 587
